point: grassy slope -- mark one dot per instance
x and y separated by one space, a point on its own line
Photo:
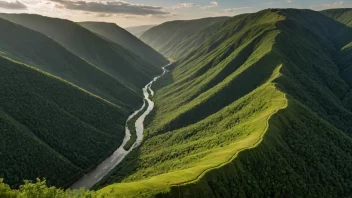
139 30
165 37
211 110
104 54
43 120
35 49
122 37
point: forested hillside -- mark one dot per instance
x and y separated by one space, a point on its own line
51 128
120 36
113 59
64 100
36 49
245 115
341 15
166 37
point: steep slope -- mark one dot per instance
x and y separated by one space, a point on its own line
122 37
50 128
165 37
139 30
104 54
36 49
341 15
233 113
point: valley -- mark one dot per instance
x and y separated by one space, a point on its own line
93 177
254 105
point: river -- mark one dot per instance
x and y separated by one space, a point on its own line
94 176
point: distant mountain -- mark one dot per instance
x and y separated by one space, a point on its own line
139 30
262 107
166 37
113 59
51 128
122 37
35 49
341 15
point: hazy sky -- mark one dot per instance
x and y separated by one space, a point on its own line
143 12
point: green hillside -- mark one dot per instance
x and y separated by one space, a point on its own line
344 57
104 54
36 49
139 30
167 36
51 128
341 15
122 37
249 116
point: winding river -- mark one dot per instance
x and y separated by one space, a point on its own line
94 176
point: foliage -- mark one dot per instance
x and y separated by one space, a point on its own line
50 128
40 189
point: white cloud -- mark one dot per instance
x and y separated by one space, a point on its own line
212 4
185 5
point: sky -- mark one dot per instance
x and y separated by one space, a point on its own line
126 13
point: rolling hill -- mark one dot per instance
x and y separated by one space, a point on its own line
167 36
139 30
122 37
249 116
113 59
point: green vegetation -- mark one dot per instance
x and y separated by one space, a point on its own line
121 37
165 37
341 15
40 189
51 128
132 127
36 49
64 100
139 30
111 58
256 105
209 135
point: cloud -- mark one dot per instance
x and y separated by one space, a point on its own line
339 4
110 7
290 1
236 9
15 5
211 5
185 5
